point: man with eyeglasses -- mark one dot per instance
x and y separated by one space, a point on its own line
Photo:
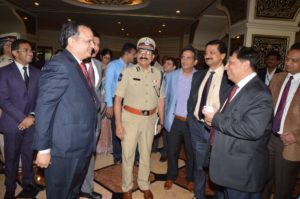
66 114
178 86
141 89
18 93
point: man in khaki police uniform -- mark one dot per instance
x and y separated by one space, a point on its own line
140 86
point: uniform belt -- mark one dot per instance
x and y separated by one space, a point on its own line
140 112
180 118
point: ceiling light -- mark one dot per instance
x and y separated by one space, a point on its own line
177 11
159 31
238 37
25 18
69 19
36 3
119 22
122 29
163 25
127 34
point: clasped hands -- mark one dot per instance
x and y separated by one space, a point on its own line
26 123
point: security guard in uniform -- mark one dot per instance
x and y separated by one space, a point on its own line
142 91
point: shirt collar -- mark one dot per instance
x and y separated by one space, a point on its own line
20 66
295 76
244 81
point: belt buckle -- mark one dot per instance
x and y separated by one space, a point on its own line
145 112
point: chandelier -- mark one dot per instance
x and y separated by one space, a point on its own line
110 4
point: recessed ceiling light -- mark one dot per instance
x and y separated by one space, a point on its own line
119 22
163 25
36 3
177 11
159 31
238 37
127 34
25 18
122 29
69 19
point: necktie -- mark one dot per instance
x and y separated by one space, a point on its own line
279 112
212 130
91 73
232 92
85 73
87 78
205 94
26 77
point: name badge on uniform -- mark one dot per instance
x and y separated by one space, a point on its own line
137 79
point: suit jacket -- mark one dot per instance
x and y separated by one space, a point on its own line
290 152
16 101
198 77
171 91
66 109
239 156
262 73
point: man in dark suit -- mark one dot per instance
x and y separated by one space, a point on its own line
18 92
216 93
284 145
66 112
272 61
241 130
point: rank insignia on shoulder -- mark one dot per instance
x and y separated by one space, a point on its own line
138 69
120 77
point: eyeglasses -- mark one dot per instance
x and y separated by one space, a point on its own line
145 51
26 50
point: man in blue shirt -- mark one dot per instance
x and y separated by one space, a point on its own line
113 71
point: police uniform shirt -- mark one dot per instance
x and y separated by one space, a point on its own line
5 60
140 89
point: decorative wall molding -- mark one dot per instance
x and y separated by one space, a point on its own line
277 9
265 43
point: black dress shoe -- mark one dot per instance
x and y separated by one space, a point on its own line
117 161
9 195
93 195
29 191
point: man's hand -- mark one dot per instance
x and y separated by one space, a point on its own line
159 128
288 138
120 131
208 115
109 112
26 123
43 159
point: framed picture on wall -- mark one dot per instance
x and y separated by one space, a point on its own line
266 43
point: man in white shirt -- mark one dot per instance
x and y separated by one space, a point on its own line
272 66
284 145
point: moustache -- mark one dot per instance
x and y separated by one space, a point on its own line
145 58
208 58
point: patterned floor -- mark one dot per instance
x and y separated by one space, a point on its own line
108 180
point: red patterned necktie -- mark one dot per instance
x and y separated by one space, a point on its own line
229 98
280 109
87 78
